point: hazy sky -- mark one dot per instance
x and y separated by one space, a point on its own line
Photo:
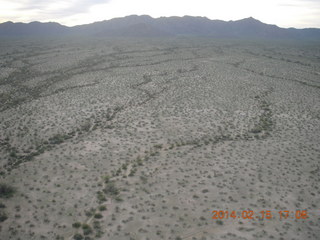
284 13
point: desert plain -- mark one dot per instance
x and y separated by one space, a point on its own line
113 138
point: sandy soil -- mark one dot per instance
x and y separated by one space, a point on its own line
145 138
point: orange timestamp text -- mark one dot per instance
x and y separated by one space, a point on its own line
265 214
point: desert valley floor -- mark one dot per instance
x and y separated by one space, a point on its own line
133 139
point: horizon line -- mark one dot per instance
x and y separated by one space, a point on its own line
36 21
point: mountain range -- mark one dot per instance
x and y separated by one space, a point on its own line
146 26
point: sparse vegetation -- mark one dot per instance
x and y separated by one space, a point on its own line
102 137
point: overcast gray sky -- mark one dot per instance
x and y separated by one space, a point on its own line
284 13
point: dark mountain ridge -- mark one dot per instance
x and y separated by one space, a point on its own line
146 26
33 28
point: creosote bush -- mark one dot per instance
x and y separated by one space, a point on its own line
6 191
111 189
78 236
3 216
102 208
76 225
98 215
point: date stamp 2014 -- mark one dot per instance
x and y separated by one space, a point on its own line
260 215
